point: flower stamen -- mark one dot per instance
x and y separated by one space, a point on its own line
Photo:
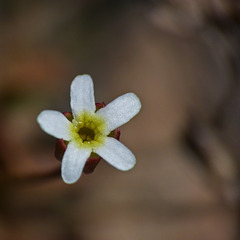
88 130
86 134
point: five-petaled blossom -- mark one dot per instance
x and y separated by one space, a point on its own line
89 130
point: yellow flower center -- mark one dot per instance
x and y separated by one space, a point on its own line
88 130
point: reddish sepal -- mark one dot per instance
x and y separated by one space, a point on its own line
91 164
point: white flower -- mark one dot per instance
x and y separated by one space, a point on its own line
89 130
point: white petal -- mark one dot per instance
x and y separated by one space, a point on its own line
73 162
55 124
116 154
120 110
82 94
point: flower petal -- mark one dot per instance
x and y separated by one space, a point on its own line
116 154
120 110
55 124
73 162
82 94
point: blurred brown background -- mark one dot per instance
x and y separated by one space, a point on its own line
182 58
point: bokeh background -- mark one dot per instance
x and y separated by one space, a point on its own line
182 58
